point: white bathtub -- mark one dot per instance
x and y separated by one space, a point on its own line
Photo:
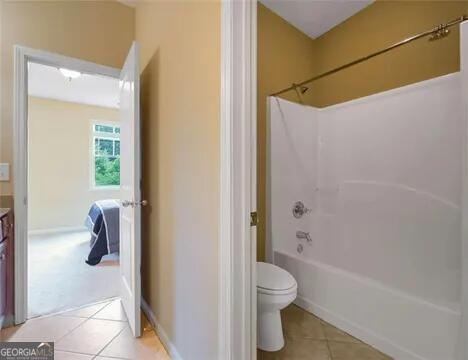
382 178
400 325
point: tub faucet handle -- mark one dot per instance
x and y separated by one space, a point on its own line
299 209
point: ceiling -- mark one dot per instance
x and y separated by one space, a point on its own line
48 82
315 17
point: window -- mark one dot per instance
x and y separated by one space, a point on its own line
106 155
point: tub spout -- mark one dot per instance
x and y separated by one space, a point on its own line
303 235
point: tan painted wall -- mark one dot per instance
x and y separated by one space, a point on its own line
60 192
375 27
180 65
98 31
285 55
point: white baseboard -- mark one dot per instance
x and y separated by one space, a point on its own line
171 349
57 230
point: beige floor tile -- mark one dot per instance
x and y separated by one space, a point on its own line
299 324
63 355
298 349
126 346
90 337
335 334
87 311
308 337
50 328
349 351
113 311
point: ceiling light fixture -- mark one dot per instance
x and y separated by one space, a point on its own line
70 74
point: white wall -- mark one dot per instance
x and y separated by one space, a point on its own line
382 175
60 191
395 160
389 185
293 166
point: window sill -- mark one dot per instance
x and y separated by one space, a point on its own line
104 188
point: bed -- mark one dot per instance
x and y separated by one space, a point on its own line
103 224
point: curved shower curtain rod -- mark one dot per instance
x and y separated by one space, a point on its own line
436 33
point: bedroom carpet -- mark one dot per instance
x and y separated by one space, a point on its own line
59 278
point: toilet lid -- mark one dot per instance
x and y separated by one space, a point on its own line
272 277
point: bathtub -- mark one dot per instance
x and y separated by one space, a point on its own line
381 177
398 324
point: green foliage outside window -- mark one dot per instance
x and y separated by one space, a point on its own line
107 170
106 155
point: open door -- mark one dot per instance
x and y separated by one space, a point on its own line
130 195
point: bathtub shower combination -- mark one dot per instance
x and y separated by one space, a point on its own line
377 249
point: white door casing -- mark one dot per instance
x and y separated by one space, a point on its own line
237 251
22 56
130 194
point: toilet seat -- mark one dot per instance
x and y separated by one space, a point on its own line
272 280
276 292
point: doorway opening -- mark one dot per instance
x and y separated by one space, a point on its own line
73 188
109 206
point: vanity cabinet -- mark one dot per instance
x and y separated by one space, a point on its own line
3 281
6 267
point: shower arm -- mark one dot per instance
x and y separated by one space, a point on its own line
436 33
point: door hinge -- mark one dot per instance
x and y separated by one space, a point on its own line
253 218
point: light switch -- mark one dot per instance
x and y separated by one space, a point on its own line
4 172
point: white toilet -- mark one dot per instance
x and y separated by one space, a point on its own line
276 289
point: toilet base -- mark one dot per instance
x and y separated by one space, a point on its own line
269 331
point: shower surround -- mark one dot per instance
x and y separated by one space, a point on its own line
382 176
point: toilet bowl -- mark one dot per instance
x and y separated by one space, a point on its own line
276 289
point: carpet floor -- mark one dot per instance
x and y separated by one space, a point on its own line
58 277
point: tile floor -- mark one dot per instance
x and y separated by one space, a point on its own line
308 337
99 331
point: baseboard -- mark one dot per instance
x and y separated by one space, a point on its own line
6 321
378 342
57 230
170 347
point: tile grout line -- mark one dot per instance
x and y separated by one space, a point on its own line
70 331
328 340
79 325
108 343
74 352
330 356
109 357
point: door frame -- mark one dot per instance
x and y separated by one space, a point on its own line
463 348
22 56
238 141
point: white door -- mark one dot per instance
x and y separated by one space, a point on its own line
130 210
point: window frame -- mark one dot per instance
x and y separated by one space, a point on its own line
92 164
